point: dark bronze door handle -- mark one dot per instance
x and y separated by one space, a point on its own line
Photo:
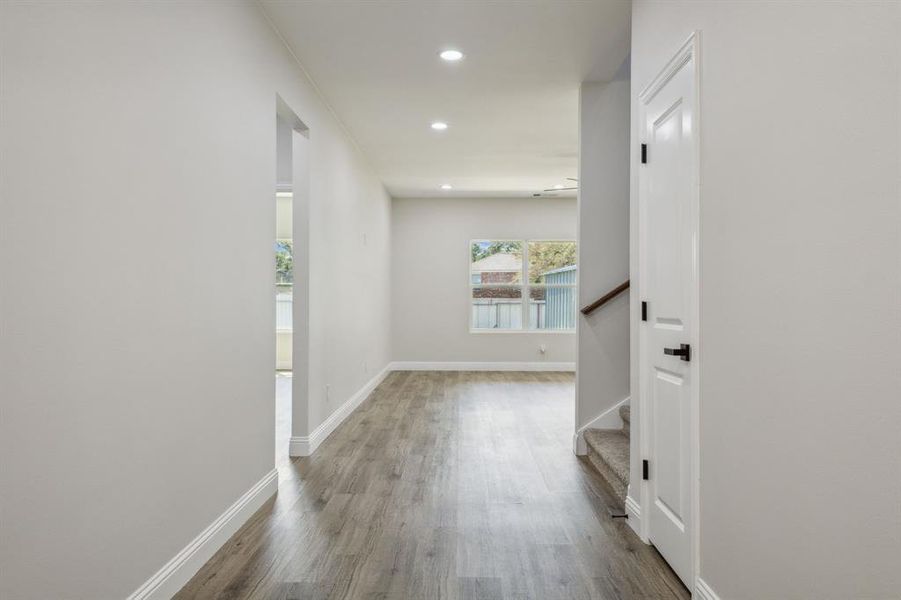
684 350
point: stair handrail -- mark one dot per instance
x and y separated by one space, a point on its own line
587 310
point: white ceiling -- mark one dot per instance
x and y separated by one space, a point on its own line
511 103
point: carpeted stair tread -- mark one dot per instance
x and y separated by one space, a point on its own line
608 451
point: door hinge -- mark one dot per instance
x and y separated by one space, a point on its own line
644 154
645 468
644 310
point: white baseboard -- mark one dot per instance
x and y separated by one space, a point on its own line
482 366
609 419
704 591
166 582
306 445
580 448
633 509
299 445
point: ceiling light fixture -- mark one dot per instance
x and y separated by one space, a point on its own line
451 55
439 126
446 186
559 186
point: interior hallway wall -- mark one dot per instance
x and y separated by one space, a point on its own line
800 260
603 373
430 276
137 337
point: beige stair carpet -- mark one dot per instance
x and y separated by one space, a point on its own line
608 452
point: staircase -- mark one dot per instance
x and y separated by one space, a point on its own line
608 451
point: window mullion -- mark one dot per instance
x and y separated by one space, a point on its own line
525 290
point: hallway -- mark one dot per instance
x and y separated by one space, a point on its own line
442 485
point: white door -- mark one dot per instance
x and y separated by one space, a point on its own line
668 283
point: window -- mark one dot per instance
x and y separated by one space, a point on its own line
284 285
518 285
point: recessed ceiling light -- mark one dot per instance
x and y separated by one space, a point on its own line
559 186
446 186
439 126
451 55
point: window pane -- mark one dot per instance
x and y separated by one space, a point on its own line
284 284
552 262
284 262
284 302
552 307
495 262
496 308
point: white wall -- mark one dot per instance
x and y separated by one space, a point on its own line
800 291
136 308
430 276
284 217
603 374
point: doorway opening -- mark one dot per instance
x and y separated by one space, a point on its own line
291 278
284 287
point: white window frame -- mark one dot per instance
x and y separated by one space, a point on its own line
524 286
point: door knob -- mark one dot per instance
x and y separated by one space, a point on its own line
683 351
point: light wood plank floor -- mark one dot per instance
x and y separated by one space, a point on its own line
443 485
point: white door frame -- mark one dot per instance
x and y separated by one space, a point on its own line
687 53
